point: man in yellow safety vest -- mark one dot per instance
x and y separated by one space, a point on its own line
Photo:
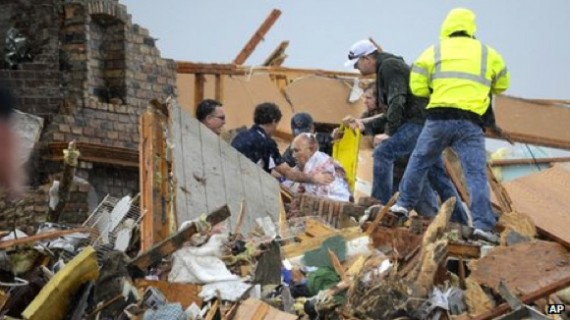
457 74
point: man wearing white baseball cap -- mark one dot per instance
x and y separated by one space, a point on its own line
405 118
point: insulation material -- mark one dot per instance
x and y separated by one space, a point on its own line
544 197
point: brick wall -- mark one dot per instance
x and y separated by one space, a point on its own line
92 74
33 209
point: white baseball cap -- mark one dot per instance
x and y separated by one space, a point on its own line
358 50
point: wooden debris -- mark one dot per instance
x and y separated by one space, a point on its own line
463 250
400 240
257 37
533 161
53 300
70 161
31 240
278 56
155 189
95 153
335 213
433 251
455 172
184 293
338 268
500 192
254 309
174 242
521 265
526 299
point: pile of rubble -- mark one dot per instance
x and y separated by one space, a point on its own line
301 268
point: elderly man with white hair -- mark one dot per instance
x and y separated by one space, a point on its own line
311 161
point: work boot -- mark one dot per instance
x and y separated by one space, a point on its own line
488 236
400 211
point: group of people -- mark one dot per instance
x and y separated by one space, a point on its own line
414 113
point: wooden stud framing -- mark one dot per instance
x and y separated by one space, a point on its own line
199 84
155 191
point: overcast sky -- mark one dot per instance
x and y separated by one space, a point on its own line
532 35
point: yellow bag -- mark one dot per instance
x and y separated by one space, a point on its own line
345 151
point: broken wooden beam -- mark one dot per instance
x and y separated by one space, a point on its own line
174 242
257 37
526 299
500 192
453 170
278 55
199 85
533 161
41 237
70 162
155 189
96 153
463 250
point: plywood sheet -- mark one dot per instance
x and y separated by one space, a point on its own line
525 267
544 197
243 93
210 173
326 99
545 124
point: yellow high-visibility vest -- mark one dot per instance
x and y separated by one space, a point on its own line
460 71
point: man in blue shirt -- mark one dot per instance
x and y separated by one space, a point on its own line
257 145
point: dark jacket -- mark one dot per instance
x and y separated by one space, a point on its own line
258 147
392 79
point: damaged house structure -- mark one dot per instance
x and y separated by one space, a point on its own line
153 216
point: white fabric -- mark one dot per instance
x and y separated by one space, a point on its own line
336 190
200 265
229 290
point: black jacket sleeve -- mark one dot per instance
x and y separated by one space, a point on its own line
396 89
376 126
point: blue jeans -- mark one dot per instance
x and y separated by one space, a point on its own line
466 139
401 144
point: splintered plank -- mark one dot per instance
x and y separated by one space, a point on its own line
195 180
233 183
524 267
257 36
174 242
178 166
155 192
214 178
